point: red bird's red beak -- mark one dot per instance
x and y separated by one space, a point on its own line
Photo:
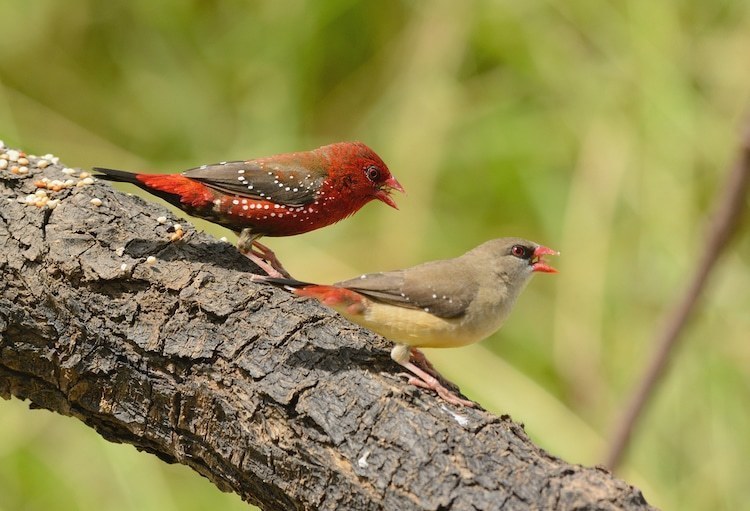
537 260
384 193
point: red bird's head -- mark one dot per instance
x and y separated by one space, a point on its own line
359 174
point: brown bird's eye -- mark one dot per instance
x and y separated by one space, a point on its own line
519 251
372 173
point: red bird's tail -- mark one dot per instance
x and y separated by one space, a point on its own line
173 188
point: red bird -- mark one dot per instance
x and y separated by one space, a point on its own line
280 195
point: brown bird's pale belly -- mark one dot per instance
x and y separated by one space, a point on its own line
421 329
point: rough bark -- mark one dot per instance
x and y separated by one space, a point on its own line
269 396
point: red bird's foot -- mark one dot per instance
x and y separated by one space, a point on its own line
266 260
426 381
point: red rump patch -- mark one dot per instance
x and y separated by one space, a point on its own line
190 192
336 297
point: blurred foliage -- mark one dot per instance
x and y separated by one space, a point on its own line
602 129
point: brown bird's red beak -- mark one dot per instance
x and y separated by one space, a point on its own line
384 193
537 260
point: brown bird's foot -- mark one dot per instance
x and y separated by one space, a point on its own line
401 354
420 360
266 260
426 381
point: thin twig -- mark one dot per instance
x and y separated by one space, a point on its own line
724 223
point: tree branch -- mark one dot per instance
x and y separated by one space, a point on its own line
730 204
270 396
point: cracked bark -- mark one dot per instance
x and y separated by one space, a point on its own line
272 397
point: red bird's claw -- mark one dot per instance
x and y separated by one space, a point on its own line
265 266
263 252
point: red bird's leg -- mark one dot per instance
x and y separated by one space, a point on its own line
266 254
260 254
401 353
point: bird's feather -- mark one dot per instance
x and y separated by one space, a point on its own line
283 183
441 288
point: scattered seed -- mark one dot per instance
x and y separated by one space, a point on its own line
177 234
3 164
42 164
162 219
123 267
84 175
120 251
68 171
96 202
52 204
151 260
23 160
23 170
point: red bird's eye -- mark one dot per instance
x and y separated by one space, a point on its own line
519 251
372 173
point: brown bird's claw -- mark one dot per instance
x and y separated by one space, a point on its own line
426 381
266 260
420 360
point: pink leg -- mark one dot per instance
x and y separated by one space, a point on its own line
264 265
426 381
271 264
401 354
260 254
420 360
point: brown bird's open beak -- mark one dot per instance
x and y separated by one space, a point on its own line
537 260
384 193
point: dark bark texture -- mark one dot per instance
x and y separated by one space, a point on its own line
270 396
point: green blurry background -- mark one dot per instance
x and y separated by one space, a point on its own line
602 129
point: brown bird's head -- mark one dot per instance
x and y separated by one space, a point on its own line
360 175
513 260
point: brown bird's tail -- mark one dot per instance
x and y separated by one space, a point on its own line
339 298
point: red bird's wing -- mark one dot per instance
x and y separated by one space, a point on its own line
435 287
281 183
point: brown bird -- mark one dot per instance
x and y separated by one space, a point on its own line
439 304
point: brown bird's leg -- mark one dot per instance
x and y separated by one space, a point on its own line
420 360
260 254
401 354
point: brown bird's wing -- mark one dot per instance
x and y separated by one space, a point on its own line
439 287
282 183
